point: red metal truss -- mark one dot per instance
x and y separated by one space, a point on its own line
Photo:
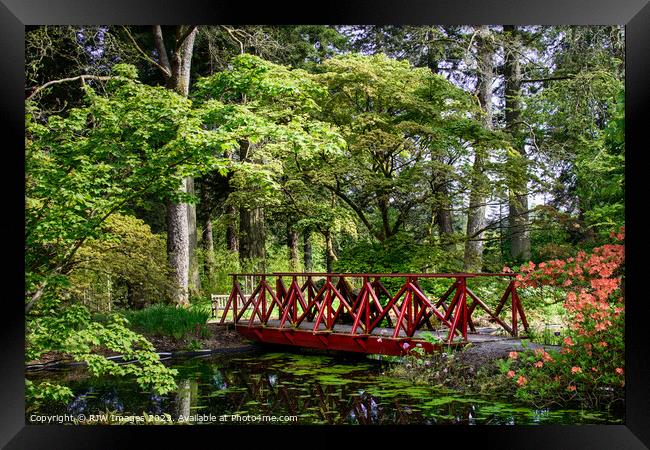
334 316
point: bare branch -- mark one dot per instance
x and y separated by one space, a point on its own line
159 42
542 80
165 70
498 222
232 35
83 78
354 207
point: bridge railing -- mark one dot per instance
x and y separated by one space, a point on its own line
287 299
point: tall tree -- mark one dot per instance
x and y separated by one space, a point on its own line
473 259
252 229
174 61
279 125
573 105
518 223
392 117
83 168
441 50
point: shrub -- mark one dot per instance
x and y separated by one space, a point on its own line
163 320
590 365
129 267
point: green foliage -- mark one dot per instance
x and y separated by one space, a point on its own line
546 336
127 267
83 167
43 392
364 149
600 173
126 71
272 109
162 320
578 125
399 123
71 332
432 338
399 254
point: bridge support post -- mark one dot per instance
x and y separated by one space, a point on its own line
460 313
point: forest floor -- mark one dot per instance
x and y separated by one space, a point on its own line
220 337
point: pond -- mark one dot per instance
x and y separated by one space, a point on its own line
295 388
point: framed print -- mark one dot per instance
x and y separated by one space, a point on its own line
240 218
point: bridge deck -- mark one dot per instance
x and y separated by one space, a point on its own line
484 334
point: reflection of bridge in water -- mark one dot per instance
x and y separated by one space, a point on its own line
325 403
358 313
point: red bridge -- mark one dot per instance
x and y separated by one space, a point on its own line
336 311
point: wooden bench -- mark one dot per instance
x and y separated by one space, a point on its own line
219 301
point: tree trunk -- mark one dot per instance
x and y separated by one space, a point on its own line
441 210
178 249
179 234
208 249
194 277
518 197
473 258
330 256
232 240
306 250
251 238
184 399
292 244
382 203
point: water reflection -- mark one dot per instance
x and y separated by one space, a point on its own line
315 389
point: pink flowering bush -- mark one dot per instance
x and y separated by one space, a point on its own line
590 365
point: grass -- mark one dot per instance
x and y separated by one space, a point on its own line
163 320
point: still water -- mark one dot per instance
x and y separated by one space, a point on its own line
294 388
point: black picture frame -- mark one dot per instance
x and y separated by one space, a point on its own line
15 14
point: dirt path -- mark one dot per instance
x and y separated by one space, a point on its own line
484 352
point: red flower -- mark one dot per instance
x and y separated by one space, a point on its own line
511 373
522 380
576 369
